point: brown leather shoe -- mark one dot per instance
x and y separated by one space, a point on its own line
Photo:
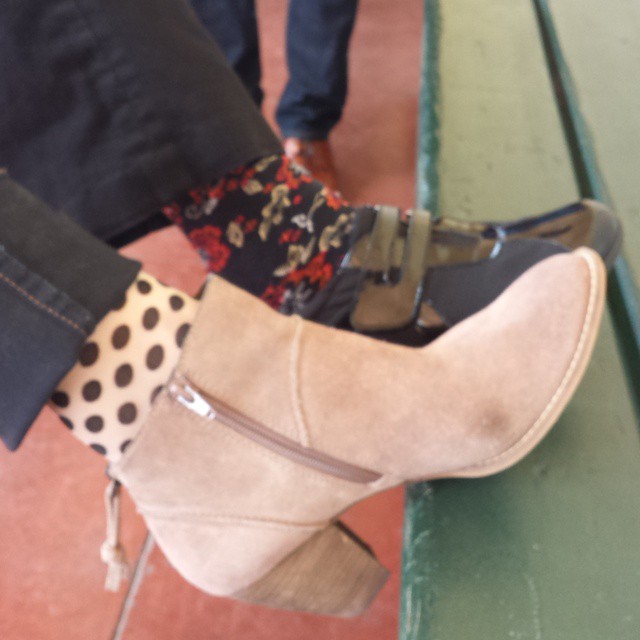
315 156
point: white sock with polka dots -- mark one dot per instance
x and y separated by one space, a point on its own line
105 398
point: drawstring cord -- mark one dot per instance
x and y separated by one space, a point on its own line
112 552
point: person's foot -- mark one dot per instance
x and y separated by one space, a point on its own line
315 156
272 426
408 278
271 229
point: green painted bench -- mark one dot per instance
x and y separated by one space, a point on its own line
528 104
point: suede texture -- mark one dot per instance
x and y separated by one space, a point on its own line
467 397
225 509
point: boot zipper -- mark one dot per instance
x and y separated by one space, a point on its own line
187 394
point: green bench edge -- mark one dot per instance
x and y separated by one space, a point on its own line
623 295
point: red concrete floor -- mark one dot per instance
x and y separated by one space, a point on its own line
51 489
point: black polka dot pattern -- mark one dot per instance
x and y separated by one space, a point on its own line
120 304
127 413
150 318
181 334
123 367
89 354
94 424
60 399
125 445
155 356
156 392
91 391
124 375
99 448
120 337
143 287
176 303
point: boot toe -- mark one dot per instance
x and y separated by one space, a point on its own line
563 298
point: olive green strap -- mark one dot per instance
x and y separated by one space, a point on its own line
384 306
383 235
417 246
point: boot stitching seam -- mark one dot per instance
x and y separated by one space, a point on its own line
233 520
296 400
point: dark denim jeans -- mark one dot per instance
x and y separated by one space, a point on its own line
108 109
56 283
318 33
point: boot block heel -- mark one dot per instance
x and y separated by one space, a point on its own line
333 573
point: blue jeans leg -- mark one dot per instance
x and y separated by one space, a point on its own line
56 283
110 109
318 33
233 25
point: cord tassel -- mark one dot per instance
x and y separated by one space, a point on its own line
111 551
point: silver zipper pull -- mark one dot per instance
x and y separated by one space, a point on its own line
188 397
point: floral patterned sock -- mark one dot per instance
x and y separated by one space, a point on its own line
269 228
105 398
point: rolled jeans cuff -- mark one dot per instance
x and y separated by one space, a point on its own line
56 283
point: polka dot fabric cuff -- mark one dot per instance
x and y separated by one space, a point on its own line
105 398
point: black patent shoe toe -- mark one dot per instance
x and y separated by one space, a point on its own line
408 278
587 223
606 231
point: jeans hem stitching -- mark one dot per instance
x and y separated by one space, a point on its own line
37 303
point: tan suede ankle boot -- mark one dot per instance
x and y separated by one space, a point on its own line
272 426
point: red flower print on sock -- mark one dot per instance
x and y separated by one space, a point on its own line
217 191
309 229
247 176
198 196
334 199
273 295
287 174
209 241
173 212
318 272
289 236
